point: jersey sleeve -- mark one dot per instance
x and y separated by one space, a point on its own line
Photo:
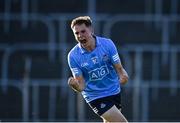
76 71
114 56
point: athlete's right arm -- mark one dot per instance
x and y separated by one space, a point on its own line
77 83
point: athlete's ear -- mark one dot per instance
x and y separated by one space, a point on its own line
92 30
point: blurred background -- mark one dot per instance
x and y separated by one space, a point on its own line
35 37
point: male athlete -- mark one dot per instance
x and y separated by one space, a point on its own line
97 71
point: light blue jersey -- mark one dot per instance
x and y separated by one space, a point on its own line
96 67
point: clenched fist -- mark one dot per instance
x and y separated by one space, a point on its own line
75 84
124 78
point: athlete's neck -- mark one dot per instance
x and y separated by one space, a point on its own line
92 45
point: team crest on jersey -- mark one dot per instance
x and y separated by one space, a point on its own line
94 59
105 57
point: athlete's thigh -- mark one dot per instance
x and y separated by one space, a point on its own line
113 115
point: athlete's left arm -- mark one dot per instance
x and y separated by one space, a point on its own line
121 73
115 60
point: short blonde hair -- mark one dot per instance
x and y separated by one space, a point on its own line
81 20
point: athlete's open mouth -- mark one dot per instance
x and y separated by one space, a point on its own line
83 41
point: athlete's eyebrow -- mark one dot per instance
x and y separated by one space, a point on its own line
82 31
76 33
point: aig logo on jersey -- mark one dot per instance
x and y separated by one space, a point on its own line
98 73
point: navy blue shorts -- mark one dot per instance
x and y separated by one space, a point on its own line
101 105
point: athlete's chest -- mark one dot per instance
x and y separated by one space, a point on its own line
94 60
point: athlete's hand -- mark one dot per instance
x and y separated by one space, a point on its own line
121 73
124 78
74 84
